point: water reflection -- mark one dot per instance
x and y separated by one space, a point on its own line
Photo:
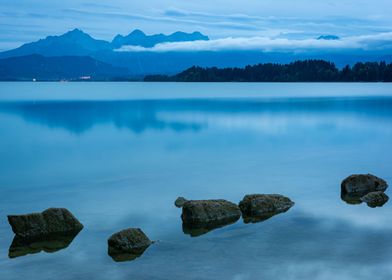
350 198
259 218
119 256
53 243
79 117
191 115
132 158
195 230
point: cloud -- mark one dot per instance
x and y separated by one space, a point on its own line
239 17
221 23
380 41
217 18
343 25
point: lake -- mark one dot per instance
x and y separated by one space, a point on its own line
117 155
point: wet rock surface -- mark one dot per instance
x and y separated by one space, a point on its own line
358 185
180 201
375 199
21 247
128 244
367 188
202 216
38 226
259 207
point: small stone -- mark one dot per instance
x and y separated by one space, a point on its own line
259 207
375 199
128 244
180 201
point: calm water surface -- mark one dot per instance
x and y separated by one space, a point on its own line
118 155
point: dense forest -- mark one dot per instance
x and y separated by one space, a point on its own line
298 71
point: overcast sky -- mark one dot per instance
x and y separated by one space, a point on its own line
28 20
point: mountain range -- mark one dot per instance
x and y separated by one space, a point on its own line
76 42
138 38
109 57
38 67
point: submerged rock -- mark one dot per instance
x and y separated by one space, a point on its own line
180 201
202 216
38 226
128 244
259 207
361 184
21 247
375 199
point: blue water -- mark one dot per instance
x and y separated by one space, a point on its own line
118 154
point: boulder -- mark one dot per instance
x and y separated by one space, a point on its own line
375 199
180 201
209 211
361 184
259 207
128 244
202 216
41 225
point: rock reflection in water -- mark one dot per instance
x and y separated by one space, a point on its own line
352 199
22 247
257 219
195 230
119 256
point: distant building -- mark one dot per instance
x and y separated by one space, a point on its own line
85 78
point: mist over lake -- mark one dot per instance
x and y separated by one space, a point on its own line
118 155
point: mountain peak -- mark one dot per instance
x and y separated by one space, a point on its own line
328 37
139 38
75 30
73 42
75 33
137 32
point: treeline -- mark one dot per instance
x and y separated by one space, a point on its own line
298 71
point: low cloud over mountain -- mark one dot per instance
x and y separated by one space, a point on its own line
142 54
377 42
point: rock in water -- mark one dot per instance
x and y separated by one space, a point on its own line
259 207
362 184
375 199
180 201
202 216
41 225
128 244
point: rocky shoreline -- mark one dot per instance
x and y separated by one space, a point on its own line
55 228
